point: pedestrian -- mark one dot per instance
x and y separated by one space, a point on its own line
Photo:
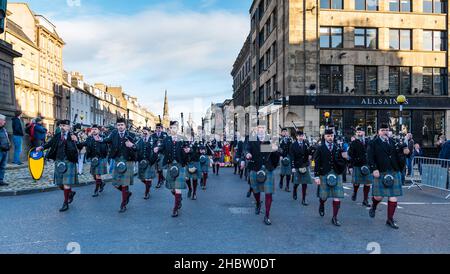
147 160
418 152
5 145
409 157
445 151
204 165
64 151
285 158
386 164
217 156
300 152
39 133
17 126
330 163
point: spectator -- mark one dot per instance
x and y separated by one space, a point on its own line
57 128
39 133
17 126
82 138
5 145
409 157
445 151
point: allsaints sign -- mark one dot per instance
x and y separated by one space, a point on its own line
380 101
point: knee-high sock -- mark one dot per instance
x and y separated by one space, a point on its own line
366 190
336 206
355 188
288 180
119 188
322 202
195 184
295 189
217 168
159 177
235 168
205 177
214 168
124 195
66 195
304 187
281 180
257 198
391 209
98 182
188 182
375 203
148 184
268 204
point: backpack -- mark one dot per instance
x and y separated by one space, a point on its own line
29 129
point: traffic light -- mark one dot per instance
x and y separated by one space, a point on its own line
2 15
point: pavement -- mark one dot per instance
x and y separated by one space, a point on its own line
221 220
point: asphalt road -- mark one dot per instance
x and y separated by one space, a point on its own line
221 220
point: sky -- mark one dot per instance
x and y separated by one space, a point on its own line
186 47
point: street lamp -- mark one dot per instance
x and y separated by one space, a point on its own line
327 116
401 100
182 122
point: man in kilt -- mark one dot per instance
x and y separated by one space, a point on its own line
193 174
204 165
158 138
360 171
147 161
217 157
299 154
385 163
122 150
238 149
64 151
286 163
330 163
97 153
263 159
174 171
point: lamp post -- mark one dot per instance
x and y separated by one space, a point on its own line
401 100
182 122
327 116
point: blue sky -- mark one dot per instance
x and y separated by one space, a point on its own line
187 47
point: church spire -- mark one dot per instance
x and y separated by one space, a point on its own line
166 119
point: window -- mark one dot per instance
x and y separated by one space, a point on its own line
366 80
330 37
331 79
434 40
261 37
366 38
433 125
331 4
400 39
399 80
400 5
435 6
261 10
366 4
434 81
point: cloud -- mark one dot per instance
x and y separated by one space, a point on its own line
187 52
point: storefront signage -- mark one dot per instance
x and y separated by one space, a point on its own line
380 101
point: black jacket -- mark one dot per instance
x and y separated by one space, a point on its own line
325 161
145 150
269 159
93 148
17 127
358 152
239 149
285 145
384 157
114 145
70 149
300 156
172 152
157 140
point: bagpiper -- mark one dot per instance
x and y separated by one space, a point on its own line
97 153
286 164
64 151
204 165
217 157
330 163
193 174
361 174
123 151
147 160
263 159
174 172
385 162
300 152
158 138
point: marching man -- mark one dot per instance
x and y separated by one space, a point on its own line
330 163
123 151
385 162
158 138
192 158
147 161
204 165
358 159
263 159
285 169
64 151
299 155
97 152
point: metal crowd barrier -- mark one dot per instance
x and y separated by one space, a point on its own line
431 172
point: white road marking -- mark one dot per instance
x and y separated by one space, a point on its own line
384 203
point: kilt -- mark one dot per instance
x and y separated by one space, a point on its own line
70 177
286 170
179 182
102 167
359 179
125 179
160 163
267 187
148 173
216 160
204 167
326 192
236 159
378 189
302 179
197 175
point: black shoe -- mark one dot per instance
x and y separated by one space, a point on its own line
305 203
158 185
65 207
354 197
203 187
287 189
366 203
95 194
189 194
194 196
392 224
249 193
322 210
128 198
372 213
258 209
147 196
122 209
267 221
294 196
102 187
175 213
335 221
71 195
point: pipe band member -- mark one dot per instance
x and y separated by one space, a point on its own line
330 163
193 171
286 162
158 138
64 151
385 161
204 165
147 160
300 153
